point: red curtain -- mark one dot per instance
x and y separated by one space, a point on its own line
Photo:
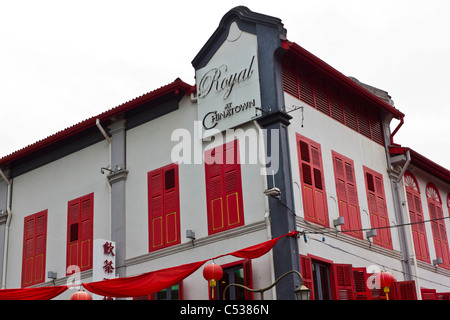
43 293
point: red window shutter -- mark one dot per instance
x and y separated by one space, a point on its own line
163 207
248 279
406 290
347 195
290 80
377 208
343 275
34 249
80 232
438 226
307 274
428 294
312 180
223 188
362 290
321 95
416 216
306 88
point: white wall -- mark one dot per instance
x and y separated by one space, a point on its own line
334 136
51 187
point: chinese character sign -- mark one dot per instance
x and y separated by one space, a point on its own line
104 262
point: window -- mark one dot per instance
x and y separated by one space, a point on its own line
240 273
312 181
163 207
416 217
438 225
34 249
377 208
335 281
347 195
80 232
223 188
312 89
174 292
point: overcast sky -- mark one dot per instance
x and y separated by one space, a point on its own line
64 61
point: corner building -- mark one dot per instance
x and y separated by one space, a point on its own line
270 139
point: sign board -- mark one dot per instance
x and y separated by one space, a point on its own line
104 262
228 90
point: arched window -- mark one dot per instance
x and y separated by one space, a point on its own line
438 225
416 217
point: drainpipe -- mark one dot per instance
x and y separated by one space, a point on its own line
395 131
8 223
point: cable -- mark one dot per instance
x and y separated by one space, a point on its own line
375 262
367 229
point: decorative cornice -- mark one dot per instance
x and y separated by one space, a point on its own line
200 242
117 176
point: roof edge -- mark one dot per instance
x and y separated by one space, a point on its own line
340 77
177 87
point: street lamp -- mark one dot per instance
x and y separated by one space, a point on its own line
301 293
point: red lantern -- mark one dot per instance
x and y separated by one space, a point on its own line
212 273
81 295
385 279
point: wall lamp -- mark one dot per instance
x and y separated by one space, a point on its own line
340 221
52 275
111 171
301 293
371 233
437 261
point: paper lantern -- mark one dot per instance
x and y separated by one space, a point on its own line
385 279
212 273
81 295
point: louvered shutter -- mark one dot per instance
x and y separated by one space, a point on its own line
307 274
377 208
223 188
312 180
80 232
248 279
163 207
362 291
418 229
406 290
343 274
34 249
347 195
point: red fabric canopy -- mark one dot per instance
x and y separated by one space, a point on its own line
155 281
143 284
140 285
43 293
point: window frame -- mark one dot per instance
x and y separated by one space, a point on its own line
384 237
219 178
415 208
168 220
438 227
314 195
348 208
85 232
36 255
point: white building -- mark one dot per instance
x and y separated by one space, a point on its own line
142 175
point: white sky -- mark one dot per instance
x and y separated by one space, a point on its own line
64 61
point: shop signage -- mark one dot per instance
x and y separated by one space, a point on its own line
228 91
104 262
